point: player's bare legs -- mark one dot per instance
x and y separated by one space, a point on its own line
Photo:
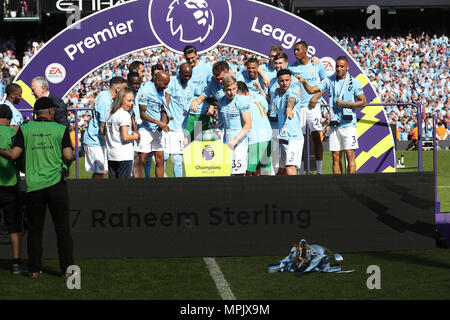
159 167
337 165
351 162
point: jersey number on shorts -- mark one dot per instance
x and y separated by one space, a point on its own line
237 164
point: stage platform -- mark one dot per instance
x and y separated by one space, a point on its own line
247 216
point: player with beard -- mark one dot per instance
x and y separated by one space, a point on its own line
152 105
252 77
179 96
269 68
13 97
346 94
287 100
201 76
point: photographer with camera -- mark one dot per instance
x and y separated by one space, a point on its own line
343 89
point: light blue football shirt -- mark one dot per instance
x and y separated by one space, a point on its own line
92 137
311 73
288 129
268 71
231 111
261 130
348 89
181 96
153 100
201 76
244 77
17 118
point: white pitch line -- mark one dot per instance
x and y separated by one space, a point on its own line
446 187
217 275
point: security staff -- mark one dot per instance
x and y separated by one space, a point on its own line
48 151
9 191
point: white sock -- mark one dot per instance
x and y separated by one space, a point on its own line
319 166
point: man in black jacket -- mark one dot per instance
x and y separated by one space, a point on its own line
40 88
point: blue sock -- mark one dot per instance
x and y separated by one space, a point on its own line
148 165
177 165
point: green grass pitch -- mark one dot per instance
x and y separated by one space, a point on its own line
423 274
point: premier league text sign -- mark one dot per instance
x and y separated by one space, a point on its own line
247 216
130 26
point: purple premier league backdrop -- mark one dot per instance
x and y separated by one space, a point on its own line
250 25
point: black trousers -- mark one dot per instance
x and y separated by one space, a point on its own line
56 198
120 169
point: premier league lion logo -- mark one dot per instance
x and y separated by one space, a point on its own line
193 20
208 153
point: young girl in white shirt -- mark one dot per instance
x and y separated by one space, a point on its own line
120 136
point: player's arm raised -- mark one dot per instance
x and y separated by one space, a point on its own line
308 88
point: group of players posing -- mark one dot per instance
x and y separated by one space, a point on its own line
260 113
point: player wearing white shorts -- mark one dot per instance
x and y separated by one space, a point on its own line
311 111
235 112
280 63
346 94
154 120
287 100
94 138
179 96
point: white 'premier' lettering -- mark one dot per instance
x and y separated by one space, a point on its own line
97 38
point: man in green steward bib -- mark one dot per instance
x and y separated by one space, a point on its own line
48 151
9 188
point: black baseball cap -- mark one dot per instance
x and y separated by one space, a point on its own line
5 112
43 103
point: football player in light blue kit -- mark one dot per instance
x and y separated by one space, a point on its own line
201 76
269 68
94 138
179 96
213 92
235 110
13 96
287 102
343 89
253 78
154 120
311 110
260 135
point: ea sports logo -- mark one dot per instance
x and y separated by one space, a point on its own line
178 23
55 73
329 64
